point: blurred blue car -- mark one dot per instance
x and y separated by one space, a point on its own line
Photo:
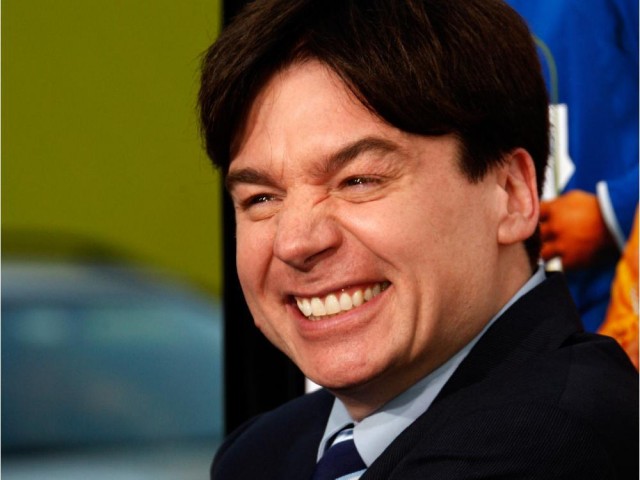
108 372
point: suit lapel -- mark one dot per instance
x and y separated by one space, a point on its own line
300 460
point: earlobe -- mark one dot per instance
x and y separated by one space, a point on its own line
520 210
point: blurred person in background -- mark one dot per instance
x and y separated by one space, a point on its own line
621 322
590 54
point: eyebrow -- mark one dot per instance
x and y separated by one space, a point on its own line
331 164
250 176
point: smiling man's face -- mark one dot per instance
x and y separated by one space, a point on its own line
363 251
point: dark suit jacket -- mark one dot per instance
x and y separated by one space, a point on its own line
535 398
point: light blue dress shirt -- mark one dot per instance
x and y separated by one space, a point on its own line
375 433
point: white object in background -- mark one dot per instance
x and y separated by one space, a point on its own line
309 386
560 167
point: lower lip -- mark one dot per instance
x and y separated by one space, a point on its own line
339 323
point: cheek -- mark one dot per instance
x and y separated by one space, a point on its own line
250 263
253 253
394 231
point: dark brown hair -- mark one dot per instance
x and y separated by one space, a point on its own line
429 67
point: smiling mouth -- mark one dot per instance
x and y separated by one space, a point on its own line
315 308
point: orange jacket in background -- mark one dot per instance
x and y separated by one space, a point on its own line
621 321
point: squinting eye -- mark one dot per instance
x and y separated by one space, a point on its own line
356 181
256 199
260 199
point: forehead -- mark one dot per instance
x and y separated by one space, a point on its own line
304 107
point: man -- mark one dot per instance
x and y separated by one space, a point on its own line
384 159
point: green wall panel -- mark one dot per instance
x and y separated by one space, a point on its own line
99 130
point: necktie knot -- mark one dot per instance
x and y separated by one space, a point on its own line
341 461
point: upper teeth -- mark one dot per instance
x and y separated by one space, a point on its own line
339 301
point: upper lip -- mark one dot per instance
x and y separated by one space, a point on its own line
323 292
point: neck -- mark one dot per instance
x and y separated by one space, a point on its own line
363 400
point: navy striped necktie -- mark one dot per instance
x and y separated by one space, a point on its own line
341 460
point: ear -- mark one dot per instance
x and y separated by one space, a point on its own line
521 207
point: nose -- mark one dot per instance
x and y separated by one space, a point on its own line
306 233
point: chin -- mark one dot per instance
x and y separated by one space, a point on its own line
343 378
336 382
